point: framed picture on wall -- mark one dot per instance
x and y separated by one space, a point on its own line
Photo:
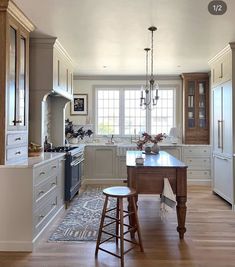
79 105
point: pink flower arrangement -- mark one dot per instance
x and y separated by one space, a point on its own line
147 138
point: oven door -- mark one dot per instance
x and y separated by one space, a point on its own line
73 175
76 169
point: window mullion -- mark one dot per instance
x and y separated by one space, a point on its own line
121 112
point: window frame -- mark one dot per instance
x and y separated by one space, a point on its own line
122 88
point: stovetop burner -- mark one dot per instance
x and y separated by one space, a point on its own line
63 149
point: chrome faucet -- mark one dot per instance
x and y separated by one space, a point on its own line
111 141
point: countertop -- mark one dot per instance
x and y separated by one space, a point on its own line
162 159
35 161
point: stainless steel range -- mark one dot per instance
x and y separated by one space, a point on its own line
74 160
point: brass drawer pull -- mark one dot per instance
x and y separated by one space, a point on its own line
41 192
41 173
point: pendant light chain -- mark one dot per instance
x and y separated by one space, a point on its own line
149 93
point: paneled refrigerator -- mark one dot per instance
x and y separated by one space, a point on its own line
222 147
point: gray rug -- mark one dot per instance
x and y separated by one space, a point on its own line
82 220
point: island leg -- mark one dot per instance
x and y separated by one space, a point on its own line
181 215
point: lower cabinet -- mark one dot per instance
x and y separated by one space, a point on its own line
198 159
175 151
223 177
104 163
100 162
31 195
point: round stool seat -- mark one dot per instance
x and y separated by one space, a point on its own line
119 191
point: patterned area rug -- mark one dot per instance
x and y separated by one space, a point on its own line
82 220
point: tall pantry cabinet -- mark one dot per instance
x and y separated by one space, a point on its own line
223 127
14 82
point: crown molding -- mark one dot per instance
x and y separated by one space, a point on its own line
125 77
53 43
224 51
19 16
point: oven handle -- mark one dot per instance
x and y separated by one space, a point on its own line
76 162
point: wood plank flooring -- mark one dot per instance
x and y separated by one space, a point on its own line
209 240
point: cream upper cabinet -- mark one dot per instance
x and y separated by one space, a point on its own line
51 67
221 67
14 83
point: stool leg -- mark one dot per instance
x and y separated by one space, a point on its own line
117 222
137 224
101 225
121 231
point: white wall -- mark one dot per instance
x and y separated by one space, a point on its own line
87 86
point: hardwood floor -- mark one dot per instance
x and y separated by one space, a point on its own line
209 240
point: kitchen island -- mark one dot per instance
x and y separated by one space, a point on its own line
148 179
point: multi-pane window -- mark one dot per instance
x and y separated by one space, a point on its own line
118 112
134 117
162 118
108 112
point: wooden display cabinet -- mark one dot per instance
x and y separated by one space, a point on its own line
195 108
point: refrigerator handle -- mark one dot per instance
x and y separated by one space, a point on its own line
219 134
222 135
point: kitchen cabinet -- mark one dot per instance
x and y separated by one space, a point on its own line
196 108
175 151
223 177
100 163
223 128
14 77
51 67
198 160
222 119
221 70
37 187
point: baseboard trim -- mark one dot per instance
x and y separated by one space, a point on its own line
21 246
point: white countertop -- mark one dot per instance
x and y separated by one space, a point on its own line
35 161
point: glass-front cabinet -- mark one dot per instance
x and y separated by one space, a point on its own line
14 81
196 108
17 79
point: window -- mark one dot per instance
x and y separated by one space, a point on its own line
118 112
162 118
108 112
134 116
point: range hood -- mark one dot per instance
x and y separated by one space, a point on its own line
51 89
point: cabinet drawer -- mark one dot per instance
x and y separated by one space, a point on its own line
192 174
16 153
198 163
16 139
45 171
197 151
44 188
44 213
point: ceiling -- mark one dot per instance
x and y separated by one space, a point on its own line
108 37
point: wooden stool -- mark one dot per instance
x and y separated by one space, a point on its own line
119 192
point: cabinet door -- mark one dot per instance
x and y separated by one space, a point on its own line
11 116
223 178
226 124
17 92
21 93
217 118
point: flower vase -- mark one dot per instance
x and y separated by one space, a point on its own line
147 150
155 148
